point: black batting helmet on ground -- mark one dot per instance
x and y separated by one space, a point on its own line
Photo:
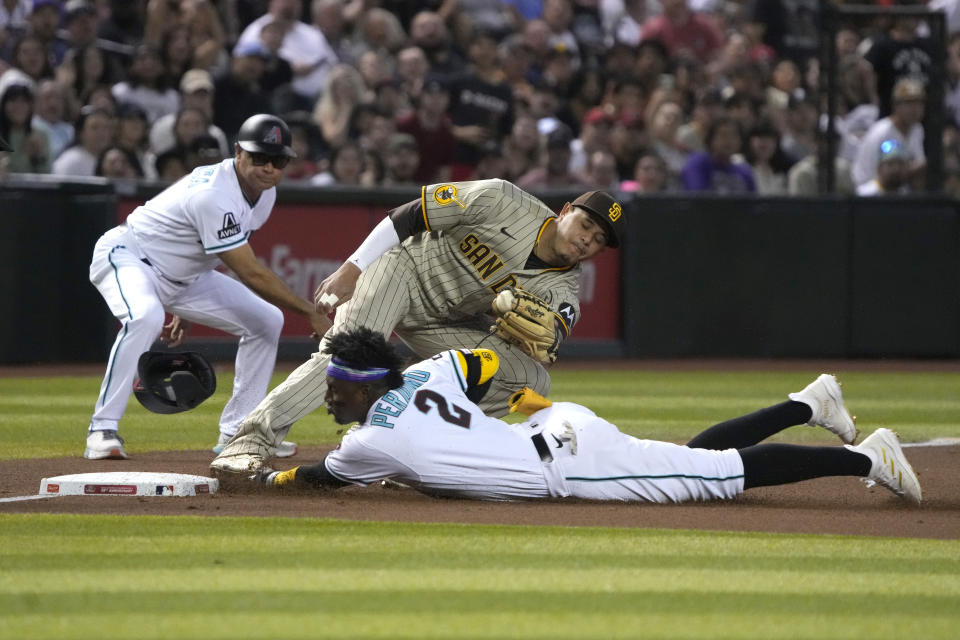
173 382
264 133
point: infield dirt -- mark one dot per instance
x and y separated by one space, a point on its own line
827 505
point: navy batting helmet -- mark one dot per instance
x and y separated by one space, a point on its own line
264 133
173 382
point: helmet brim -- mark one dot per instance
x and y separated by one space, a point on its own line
270 149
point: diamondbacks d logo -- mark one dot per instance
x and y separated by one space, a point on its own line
273 136
229 228
445 194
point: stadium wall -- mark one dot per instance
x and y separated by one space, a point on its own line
698 276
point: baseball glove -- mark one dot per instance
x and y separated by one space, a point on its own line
526 321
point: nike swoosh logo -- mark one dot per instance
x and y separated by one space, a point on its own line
504 231
559 441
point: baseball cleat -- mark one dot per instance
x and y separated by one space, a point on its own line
888 465
825 399
284 450
102 445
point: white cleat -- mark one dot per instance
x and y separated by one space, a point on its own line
889 467
104 445
825 399
241 464
284 450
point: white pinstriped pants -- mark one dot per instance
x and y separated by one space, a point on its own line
387 300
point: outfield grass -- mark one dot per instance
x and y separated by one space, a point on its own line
184 577
49 416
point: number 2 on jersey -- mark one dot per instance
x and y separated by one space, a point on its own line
426 399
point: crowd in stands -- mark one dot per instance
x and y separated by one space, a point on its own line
640 96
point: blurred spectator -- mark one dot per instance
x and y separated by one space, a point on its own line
277 76
847 41
857 107
492 164
80 20
799 139
49 116
622 20
559 68
664 127
431 127
898 54
237 95
175 54
117 162
494 16
558 16
429 32
101 97
171 165
202 151
30 146
521 149
13 19
95 130
344 90
373 67
44 21
378 30
649 175
30 56
146 85
124 23
715 170
587 91
803 177
789 27
554 171
651 65
327 16
952 88
594 136
602 171
305 140
902 125
708 106
628 139
304 47
481 104
400 160
766 159
683 32
516 63
374 132
346 168
82 70
628 97
892 173
132 135
196 92
412 68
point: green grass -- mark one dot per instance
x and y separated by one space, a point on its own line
105 577
185 577
49 416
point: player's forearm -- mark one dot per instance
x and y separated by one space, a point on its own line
270 287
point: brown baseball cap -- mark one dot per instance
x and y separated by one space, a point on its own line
606 211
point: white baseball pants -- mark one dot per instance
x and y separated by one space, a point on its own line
138 296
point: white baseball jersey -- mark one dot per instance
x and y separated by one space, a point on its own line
183 228
429 435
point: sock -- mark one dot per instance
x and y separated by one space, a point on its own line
772 464
752 428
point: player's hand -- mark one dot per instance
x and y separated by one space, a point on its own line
337 288
175 331
321 323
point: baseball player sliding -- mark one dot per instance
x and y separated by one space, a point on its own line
424 429
163 259
429 272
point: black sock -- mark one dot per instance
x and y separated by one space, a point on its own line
752 428
771 464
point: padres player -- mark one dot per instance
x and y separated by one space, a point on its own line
423 429
163 259
429 272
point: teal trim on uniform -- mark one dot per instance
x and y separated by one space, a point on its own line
245 237
126 325
672 475
456 367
